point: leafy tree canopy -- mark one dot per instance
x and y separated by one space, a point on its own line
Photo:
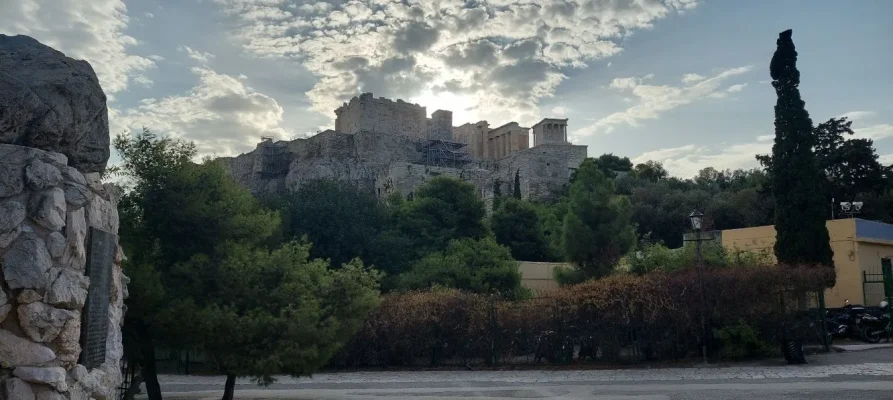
477 265
597 226
517 225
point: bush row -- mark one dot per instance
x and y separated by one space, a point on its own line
656 316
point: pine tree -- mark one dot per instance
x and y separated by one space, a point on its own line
800 210
597 228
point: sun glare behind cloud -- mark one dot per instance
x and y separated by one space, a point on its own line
462 106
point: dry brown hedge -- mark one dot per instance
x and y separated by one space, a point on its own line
656 316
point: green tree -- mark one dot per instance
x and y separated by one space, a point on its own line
281 311
650 257
516 225
597 229
850 167
516 193
442 209
182 223
610 164
340 220
477 265
800 210
651 171
148 162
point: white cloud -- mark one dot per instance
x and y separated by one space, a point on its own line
736 88
886 159
765 138
149 15
203 58
156 58
691 78
874 132
854 115
89 30
220 114
686 161
653 100
560 111
502 55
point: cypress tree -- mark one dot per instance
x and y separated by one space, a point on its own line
517 190
800 209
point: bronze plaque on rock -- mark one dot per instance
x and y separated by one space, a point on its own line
95 315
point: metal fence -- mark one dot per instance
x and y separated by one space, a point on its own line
469 332
516 333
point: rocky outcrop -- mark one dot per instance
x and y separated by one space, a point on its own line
26 263
43 287
17 351
51 376
51 102
54 144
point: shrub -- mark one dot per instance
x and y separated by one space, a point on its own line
623 317
741 340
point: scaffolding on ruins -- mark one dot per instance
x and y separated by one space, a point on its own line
439 153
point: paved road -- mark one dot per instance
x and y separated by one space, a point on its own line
859 375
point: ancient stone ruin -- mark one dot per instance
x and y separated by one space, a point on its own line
388 146
61 286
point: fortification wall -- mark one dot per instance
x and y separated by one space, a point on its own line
367 113
440 126
543 171
474 136
47 212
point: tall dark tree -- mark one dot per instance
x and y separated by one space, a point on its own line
850 167
516 225
597 227
340 220
800 210
516 193
610 164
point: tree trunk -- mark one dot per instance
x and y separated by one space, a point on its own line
134 386
230 387
150 374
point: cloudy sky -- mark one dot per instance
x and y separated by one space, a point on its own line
684 82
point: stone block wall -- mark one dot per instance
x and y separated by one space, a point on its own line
366 113
474 136
46 208
543 171
440 126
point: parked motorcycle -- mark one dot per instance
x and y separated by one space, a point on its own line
841 323
875 324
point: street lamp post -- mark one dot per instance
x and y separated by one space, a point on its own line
697 223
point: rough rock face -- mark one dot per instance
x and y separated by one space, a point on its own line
44 225
51 102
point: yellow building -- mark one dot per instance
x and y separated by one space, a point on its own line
858 245
539 275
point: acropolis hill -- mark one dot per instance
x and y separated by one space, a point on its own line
383 146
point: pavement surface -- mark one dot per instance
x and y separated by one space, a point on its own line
862 375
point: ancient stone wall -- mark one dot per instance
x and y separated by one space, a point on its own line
366 113
440 126
61 286
550 130
543 171
505 140
383 163
474 136
46 211
359 158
